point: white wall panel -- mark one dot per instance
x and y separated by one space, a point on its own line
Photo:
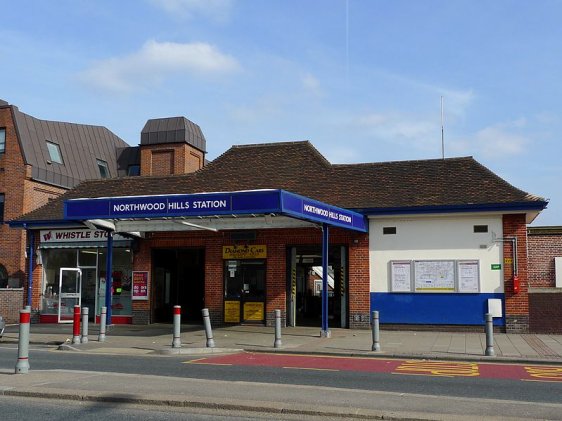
436 238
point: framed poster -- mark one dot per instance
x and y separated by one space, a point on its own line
434 275
140 285
401 276
469 275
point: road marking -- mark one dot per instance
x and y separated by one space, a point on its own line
422 374
545 373
311 368
439 368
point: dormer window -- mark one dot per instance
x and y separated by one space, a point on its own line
104 169
54 152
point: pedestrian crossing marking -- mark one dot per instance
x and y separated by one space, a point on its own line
438 368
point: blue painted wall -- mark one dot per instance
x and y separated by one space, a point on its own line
436 309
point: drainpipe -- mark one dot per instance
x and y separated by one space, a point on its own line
513 241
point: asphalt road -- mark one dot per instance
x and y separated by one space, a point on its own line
188 367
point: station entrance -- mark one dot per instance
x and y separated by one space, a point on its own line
178 279
305 286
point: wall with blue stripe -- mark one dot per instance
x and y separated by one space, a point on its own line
434 309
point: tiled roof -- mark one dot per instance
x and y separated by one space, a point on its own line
298 167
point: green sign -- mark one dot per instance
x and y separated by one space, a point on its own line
496 266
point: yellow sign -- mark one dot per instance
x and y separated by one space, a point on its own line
244 252
253 311
508 260
232 311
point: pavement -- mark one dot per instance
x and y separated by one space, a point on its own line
156 339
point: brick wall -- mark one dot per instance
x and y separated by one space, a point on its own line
165 159
545 312
22 196
543 248
277 241
10 304
516 305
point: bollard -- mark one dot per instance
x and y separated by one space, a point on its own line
103 316
208 330
22 366
376 332
76 325
277 343
489 336
176 341
85 312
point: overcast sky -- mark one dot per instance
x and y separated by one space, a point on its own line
361 79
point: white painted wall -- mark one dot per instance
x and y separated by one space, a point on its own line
436 238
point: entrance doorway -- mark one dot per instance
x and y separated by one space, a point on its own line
178 279
305 286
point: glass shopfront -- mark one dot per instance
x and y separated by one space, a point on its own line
91 262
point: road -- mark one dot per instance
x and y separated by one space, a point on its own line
526 389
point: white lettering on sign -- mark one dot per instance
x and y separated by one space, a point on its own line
136 207
206 204
336 216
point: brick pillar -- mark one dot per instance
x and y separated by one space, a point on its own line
359 284
516 305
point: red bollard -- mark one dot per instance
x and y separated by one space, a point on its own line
22 366
76 326
176 340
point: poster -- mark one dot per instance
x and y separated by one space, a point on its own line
434 275
469 275
401 276
253 311
232 311
140 285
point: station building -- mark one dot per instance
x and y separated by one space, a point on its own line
277 226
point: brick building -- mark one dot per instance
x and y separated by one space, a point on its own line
545 279
39 161
421 241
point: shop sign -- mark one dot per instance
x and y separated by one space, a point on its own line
253 311
244 252
140 285
232 311
76 235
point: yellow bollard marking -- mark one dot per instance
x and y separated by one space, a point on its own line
439 368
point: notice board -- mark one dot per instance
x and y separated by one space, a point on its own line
469 275
434 275
401 276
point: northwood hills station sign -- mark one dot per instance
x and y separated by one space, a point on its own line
216 205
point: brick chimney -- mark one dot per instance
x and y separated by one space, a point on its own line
172 145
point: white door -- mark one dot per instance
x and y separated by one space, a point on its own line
70 293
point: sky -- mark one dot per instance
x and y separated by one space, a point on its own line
363 80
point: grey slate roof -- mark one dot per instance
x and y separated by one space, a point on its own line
80 146
298 167
173 130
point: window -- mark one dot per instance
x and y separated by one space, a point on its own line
480 228
54 152
2 140
104 170
133 170
389 230
1 207
3 277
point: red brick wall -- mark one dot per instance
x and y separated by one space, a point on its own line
277 241
543 248
167 159
516 305
22 196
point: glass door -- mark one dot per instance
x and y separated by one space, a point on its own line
70 290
